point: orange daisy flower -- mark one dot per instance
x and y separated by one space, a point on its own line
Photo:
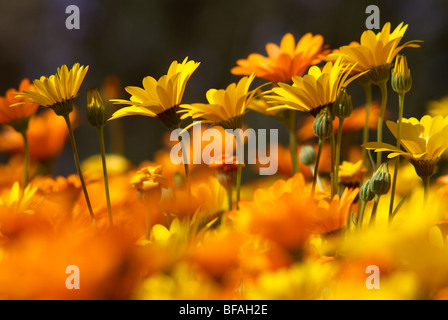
9 114
284 61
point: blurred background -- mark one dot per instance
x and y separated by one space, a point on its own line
133 39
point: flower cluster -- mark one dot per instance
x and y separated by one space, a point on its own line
165 230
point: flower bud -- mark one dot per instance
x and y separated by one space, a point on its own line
380 181
365 194
401 80
343 106
307 155
323 124
96 109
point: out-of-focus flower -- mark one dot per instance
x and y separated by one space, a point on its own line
148 178
17 200
351 174
47 134
9 113
438 107
424 142
284 61
333 215
376 52
306 281
36 266
315 90
290 226
225 107
116 164
58 90
12 171
159 98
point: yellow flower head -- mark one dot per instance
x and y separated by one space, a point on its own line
438 107
315 90
148 178
224 105
58 89
375 50
424 141
284 61
351 173
158 97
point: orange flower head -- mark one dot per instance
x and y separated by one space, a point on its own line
9 113
284 61
47 134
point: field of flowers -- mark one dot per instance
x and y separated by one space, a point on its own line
339 219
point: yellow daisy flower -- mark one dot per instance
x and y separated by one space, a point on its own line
317 89
375 50
424 142
159 98
226 107
351 174
57 91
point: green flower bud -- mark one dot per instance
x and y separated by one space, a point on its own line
343 106
323 124
380 181
96 109
307 155
401 80
365 194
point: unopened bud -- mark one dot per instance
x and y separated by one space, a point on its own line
307 155
343 106
96 109
380 181
323 124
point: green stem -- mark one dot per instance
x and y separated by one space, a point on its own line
383 88
293 141
332 174
229 198
319 152
240 146
106 180
338 153
361 216
78 166
27 160
365 135
397 159
374 209
185 160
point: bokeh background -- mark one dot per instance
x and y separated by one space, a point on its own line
132 39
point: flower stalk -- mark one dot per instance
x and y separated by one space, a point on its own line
77 163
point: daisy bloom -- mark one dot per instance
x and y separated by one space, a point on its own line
46 134
351 174
58 91
424 142
11 114
225 107
284 61
375 52
159 98
315 90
